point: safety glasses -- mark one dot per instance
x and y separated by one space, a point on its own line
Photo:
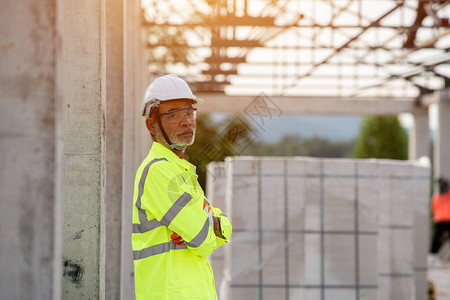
175 116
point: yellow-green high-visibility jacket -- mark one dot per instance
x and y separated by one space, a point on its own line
167 199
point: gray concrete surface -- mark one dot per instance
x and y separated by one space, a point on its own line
442 140
326 228
419 135
421 229
439 273
114 76
440 276
82 87
216 182
27 147
136 140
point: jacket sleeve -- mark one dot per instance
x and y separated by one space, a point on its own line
175 204
225 227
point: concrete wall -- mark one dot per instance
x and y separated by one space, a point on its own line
53 145
324 228
120 144
27 147
404 192
114 75
215 193
298 221
421 229
419 135
82 87
136 140
442 139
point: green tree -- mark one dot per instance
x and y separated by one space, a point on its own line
381 137
216 140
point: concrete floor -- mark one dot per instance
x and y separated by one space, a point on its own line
439 274
440 277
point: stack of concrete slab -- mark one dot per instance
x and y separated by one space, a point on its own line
215 192
306 228
403 230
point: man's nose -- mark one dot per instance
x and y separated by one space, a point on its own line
186 121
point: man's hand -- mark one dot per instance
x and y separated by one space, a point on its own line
216 223
217 229
177 239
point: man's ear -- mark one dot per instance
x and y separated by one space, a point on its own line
150 123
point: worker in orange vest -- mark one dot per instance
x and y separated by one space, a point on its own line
440 207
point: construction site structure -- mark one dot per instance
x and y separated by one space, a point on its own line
72 76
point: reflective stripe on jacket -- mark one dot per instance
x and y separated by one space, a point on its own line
167 199
441 207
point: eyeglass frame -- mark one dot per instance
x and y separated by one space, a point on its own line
185 114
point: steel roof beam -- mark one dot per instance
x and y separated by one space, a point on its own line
300 26
408 76
219 102
268 47
364 29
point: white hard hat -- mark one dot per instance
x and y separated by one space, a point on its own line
167 87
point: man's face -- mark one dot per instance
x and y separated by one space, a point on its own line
181 132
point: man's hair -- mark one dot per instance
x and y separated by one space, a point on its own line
443 185
153 111
152 115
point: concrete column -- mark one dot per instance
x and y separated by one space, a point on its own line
419 145
442 139
27 132
82 86
134 66
421 227
419 135
114 141
143 80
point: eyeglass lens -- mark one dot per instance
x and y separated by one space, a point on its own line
177 115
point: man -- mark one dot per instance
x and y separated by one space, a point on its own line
174 226
441 215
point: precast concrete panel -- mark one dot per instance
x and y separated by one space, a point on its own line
114 122
421 223
307 228
136 141
442 138
215 193
81 86
300 236
395 243
28 263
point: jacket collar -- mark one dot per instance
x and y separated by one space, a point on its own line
170 156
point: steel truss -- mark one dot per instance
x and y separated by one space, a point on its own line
302 47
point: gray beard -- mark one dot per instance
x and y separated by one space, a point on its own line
159 137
